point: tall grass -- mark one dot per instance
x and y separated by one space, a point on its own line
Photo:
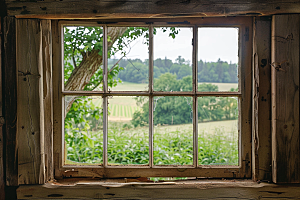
131 146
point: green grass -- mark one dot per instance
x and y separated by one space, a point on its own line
173 145
123 107
127 86
225 86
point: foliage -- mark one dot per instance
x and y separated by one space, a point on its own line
178 110
131 146
136 70
218 72
81 41
83 134
83 115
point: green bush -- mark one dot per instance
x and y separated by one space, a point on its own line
131 146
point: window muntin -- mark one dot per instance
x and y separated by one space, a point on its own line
195 167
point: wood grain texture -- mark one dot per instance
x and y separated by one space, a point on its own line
172 190
2 177
10 100
285 99
151 8
47 98
245 85
30 126
57 99
261 116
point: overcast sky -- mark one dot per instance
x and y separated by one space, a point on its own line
214 43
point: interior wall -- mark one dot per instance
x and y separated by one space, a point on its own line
285 101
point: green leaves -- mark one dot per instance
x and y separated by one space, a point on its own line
130 146
83 115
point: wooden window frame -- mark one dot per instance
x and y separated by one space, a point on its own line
243 170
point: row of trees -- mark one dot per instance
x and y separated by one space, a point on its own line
136 70
171 110
179 110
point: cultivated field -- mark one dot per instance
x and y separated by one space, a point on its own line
122 107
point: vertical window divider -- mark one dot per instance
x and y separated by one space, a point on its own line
62 88
105 103
151 96
195 89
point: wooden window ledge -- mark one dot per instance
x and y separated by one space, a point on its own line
137 189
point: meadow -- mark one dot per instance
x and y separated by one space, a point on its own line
122 107
173 144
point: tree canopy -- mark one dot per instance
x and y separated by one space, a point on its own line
136 70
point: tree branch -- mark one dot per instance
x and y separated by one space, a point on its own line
81 75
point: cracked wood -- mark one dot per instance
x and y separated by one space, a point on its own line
80 9
285 99
30 114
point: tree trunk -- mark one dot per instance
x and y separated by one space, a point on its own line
82 74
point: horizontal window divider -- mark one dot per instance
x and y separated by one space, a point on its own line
219 94
83 93
143 93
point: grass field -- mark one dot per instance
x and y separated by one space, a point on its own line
225 86
127 86
173 144
122 107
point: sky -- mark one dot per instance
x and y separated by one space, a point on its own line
213 43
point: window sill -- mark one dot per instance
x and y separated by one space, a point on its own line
135 189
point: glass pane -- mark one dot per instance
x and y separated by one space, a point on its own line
218 130
128 63
128 138
173 59
83 46
218 59
83 127
173 130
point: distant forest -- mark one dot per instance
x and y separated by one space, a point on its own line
136 70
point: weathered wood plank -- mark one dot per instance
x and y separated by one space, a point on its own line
30 124
245 85
261 123
57 86
10 100
172 190
285 99
152 8
2 177
47 98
